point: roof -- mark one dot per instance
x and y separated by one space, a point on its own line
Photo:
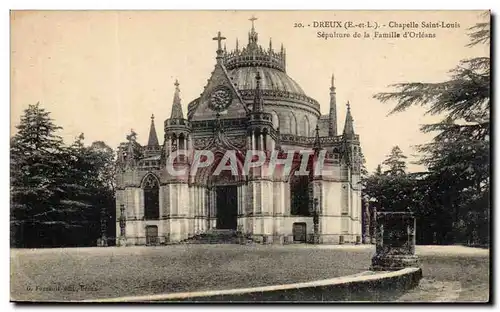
271 79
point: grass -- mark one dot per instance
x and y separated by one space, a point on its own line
89 273
458 274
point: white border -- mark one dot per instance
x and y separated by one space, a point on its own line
185 4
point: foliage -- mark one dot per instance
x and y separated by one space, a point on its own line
451 199
396 161
57 191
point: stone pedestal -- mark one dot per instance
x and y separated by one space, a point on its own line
367 223
395 238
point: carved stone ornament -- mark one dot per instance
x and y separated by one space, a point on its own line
220 98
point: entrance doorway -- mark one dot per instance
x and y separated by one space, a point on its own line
227 207
299 232
151 235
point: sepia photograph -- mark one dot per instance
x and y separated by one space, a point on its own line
250 156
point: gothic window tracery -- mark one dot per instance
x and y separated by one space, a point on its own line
151 190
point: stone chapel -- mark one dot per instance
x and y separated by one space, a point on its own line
249 102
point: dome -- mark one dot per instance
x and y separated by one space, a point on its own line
278 89
271 79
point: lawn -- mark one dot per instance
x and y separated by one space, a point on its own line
449 273
90 273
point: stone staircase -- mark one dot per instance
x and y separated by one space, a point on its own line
217 236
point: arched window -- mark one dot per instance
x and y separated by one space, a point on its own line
173 143
182 142
285 125
151 189
304 126
293 124
299 192
276 120
336 153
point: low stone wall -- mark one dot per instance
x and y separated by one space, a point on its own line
368 286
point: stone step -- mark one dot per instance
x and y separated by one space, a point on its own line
216 236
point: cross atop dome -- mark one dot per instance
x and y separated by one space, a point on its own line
252 35
253 19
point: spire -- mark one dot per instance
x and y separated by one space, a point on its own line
348 127
153 138
270 44
176 105
237 45
258 102
332 124
317 143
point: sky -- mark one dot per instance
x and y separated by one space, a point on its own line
105 72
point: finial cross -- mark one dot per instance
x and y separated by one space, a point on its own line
252 19
219 39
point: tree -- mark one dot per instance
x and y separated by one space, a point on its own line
88 189
37 158
395 161
103 159
458 156
378 170
363 169
57 191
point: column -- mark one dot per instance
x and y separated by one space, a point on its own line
253 140
195 209
200 208
190 145
203 207
169 145
207 208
